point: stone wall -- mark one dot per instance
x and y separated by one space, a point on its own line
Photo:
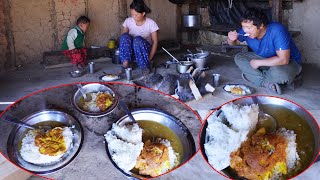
39 26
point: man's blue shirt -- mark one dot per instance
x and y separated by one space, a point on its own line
277 38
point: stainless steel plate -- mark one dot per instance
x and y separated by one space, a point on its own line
17 134
95 87
268 100
168 120
251 90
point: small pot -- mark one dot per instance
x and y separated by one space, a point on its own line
184 66
191 21
200 62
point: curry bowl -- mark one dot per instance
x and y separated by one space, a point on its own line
50 118
146 118
289 116
78 100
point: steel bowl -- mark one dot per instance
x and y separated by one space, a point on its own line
58 117
168 120
95 87
76 73
268 100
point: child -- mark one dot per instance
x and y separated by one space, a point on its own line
73 44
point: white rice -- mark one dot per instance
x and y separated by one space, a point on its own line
91 106
125 145
172 155
222 140
30 152
291 151
241 117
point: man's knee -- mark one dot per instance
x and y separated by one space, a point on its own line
240 58
279 75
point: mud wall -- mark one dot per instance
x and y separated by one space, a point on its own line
39 26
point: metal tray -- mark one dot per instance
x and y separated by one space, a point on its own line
17 133
168 120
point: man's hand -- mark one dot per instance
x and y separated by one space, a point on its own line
232 38
255 64
232 35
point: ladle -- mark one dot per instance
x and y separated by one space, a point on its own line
172 56
265 120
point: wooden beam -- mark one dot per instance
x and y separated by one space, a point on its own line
277 12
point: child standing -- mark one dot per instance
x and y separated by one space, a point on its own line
73 44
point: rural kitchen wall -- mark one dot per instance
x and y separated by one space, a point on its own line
39 26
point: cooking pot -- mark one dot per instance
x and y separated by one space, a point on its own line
184 66
191 21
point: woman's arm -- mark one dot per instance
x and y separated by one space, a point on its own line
125 30
154 37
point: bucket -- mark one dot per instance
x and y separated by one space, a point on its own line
116 57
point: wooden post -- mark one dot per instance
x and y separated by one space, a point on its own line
277 12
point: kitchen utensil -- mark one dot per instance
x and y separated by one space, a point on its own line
191 21
265 120
216 80
84 95
191 53
91 88
76 73
128 73
282 103
167 120
243 34
46 116
184 66
17 122
125 108
91 67
171 56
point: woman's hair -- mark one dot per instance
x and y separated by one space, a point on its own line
83 19
140 6
256 16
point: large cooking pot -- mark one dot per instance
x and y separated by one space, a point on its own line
281 103
191 21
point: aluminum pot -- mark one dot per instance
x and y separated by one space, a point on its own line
191 21
200 62
184 66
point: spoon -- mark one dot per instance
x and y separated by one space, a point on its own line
265 120
20 123
243 34
26 125
125 108
172 56
85 97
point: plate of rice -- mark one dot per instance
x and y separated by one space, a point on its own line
100 100
238 89
233 144
140 152
43 151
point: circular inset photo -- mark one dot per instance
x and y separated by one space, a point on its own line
260 137
98 129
